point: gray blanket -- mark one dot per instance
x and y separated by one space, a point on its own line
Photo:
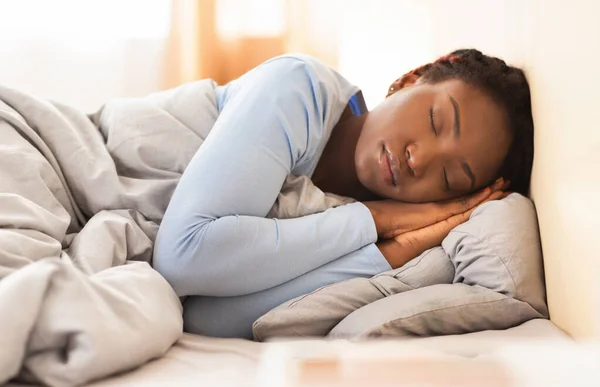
81 198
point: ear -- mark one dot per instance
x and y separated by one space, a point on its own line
406 80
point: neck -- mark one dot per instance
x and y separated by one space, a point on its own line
336 171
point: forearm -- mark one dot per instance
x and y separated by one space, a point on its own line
207 258
397 255
233 316
215 224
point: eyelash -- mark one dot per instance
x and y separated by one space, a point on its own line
446 183
431 121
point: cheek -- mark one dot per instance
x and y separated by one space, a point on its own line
372 133
365 142
364 159
490 162
422 191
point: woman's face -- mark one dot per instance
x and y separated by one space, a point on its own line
431 142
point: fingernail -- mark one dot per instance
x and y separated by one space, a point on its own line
499 180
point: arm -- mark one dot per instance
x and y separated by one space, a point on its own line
233 316
214 239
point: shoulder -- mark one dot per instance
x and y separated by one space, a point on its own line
300 72
297 63
297 70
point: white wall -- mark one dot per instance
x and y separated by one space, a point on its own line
558 44
83 52
563 61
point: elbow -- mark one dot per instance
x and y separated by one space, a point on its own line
166 261
178 262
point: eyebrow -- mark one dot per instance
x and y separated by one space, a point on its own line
456 116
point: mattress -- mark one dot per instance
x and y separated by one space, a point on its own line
198 360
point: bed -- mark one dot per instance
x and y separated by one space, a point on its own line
565 189
196 359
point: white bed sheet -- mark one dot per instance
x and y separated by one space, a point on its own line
198 360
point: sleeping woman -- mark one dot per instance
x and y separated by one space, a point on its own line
449 136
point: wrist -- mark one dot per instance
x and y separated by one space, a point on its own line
394 253
375 214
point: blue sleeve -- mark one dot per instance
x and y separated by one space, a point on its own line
214 239
234 316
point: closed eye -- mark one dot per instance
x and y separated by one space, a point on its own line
446 182
431 121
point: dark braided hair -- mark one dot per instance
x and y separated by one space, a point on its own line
506 85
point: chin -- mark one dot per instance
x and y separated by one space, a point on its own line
371 183
365 178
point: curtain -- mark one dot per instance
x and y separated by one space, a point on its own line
222 39
370 42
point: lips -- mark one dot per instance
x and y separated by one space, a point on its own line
390 166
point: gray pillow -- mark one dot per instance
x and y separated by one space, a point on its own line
442 309
487 274
316 313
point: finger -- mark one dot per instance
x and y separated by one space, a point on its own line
498 195
471 201
445 226
460 205
458 219
498 184
505 194
440 230
431 236
481 195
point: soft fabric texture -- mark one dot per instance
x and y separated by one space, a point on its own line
316 313
273 121
487 274
223 243
442 309
78 297
82 197
205 361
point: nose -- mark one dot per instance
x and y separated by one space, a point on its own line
419 159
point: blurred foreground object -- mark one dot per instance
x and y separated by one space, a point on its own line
553 362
